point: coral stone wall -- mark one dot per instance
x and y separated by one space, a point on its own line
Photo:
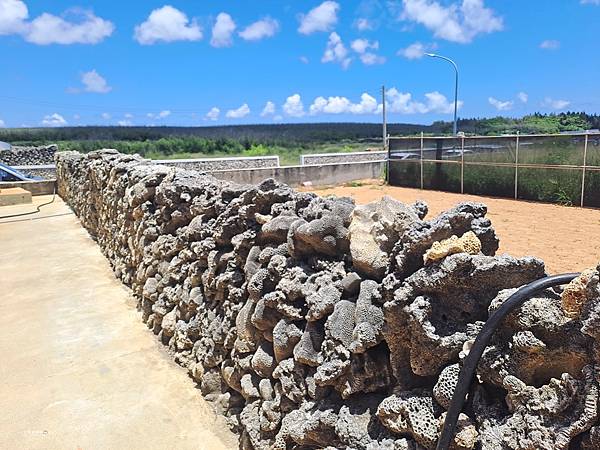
338 158
312 322
210 164
28 156
47 172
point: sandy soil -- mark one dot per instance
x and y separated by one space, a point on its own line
566 238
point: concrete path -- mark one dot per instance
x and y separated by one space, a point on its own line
78 368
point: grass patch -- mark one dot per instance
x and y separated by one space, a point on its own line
354 184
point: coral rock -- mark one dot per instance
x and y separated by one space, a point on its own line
467 243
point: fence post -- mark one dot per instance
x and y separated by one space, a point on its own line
517 168
462 165
389 157
585 147
421 160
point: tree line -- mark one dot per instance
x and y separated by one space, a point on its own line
247 135
278 138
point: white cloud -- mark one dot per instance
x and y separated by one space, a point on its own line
361 46
222 31
550 44
124 123
269 109
293 106
128 116
400 102
438 103
94 82
106 116
370 59
2 124
456 22
555 104
523 97
13 14
167 24
213 114
336 51
590 2
85 29
416 50
242 111
363 24
321 18
304 60
332 105
161 115
261 29
342 105
277 118
367 105
500 105
54 120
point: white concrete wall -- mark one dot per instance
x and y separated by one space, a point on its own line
316 175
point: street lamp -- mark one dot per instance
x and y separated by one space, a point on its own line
433 55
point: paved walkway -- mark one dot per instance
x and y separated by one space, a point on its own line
78 369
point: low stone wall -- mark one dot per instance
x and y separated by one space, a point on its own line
205 165
28 156
48 172
338 158
311 322
211 164
318 175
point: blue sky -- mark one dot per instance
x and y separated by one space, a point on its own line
208 62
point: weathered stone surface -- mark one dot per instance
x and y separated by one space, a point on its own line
374 229
268 299
29 156
210 164
467 243
336 158
579 291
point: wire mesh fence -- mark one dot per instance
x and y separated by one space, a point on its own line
562 168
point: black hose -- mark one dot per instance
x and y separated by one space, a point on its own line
481 342
37 208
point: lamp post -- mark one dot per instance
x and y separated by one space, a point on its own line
433 55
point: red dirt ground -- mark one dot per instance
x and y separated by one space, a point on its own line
566 238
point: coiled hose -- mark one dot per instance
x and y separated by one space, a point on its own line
37 208
481 342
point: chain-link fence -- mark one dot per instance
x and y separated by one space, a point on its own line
562 168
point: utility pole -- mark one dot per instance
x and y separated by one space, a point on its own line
384 118
386 146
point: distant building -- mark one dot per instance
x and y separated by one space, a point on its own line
5 146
